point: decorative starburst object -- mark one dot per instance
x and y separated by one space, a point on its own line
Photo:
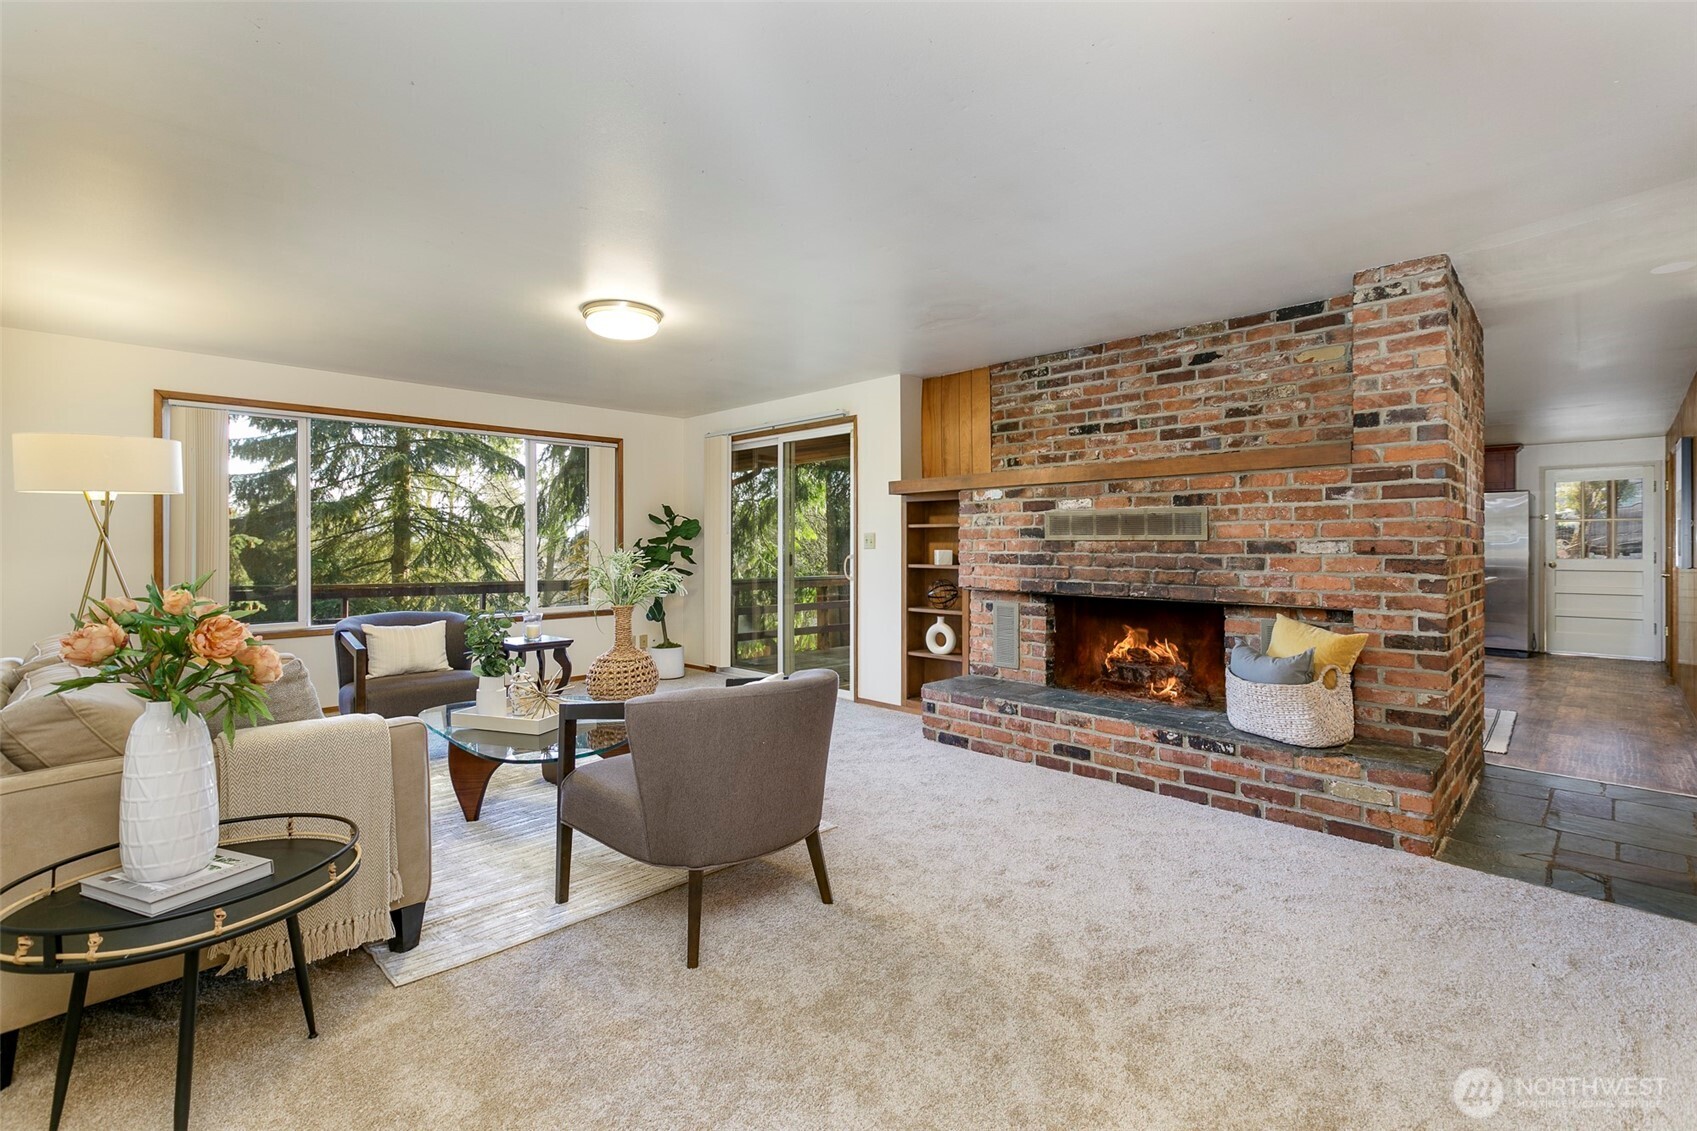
533 698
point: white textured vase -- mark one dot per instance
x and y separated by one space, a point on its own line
940 638
491 695
168 799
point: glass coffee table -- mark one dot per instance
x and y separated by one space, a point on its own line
596 730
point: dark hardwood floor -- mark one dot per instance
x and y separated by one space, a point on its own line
1617 721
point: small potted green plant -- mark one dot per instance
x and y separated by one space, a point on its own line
493 664
664 551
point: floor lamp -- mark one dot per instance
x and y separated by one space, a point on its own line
99 468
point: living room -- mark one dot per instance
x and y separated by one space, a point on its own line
869 565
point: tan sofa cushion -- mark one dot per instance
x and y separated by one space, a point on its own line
38 730
291 699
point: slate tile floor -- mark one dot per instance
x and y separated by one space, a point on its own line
1609 842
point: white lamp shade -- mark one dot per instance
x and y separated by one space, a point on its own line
74 464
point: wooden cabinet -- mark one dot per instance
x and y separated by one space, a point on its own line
1499 467
931 523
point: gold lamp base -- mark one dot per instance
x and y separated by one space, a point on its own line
104 561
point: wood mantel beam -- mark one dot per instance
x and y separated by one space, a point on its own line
1276 458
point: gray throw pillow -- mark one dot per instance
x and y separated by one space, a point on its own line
291 699
1251 666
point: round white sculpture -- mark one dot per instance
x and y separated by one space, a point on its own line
940 638
167 798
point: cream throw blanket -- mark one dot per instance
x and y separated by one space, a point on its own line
339 766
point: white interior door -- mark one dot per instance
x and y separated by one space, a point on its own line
1601 557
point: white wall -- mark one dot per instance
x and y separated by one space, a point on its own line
54 383
887 409
1533 460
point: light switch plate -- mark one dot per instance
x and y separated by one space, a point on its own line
870 541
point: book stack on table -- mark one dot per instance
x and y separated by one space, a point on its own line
228 870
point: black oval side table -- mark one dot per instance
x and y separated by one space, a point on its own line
48 927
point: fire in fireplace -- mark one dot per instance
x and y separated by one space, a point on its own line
1163 651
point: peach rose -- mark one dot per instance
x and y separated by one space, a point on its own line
263 661
118 606
176 602
218 638
92 644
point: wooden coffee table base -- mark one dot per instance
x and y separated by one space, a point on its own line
470 775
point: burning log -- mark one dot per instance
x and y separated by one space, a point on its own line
1150 668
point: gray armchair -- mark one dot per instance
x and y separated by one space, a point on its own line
715 776
399 695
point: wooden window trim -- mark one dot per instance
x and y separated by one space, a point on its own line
162 398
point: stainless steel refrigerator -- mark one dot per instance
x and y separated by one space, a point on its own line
1508 572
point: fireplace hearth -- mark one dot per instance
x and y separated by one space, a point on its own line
1162 651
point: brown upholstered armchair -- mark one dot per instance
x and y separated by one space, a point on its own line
714 776
399 695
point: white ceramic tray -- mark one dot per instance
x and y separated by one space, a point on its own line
507 724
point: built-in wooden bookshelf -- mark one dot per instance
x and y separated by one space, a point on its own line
932 524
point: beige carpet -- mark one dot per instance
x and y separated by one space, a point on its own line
1010 947
492 880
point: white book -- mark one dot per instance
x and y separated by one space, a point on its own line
228 869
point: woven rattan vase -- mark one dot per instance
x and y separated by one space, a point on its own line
623 671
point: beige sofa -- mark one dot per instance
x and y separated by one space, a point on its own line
48 812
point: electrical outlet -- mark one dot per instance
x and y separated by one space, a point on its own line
870 541
642 641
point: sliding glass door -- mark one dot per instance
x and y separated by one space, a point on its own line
792 552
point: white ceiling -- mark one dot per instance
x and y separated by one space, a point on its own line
817 194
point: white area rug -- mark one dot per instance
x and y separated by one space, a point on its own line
1499 730
492 880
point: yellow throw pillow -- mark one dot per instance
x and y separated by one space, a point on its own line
1292 638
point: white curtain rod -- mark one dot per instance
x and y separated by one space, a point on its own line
746 429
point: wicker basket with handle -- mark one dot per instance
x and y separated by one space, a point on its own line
1306 714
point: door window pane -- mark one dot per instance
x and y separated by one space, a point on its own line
1629 498
263 482
821 528
562 524
1611 519
1629 539
1567 540
754 558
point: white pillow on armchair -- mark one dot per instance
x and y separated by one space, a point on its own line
401 649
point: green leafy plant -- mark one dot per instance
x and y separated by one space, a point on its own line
662 552
621 578
178 648
484 634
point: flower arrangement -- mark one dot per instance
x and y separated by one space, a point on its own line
619 580
178 648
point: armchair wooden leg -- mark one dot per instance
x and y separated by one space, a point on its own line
409 921
562 862
694 918
816 853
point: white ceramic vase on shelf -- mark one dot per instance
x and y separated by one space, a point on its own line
940 638
491 695
168 797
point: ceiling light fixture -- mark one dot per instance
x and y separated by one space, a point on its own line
1674 268
621 319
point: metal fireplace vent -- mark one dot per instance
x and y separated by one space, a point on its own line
1127 524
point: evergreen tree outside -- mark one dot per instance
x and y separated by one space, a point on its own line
410 516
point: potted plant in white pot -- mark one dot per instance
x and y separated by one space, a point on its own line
620 582
663 551
493 664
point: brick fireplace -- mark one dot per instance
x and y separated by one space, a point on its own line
1352 427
